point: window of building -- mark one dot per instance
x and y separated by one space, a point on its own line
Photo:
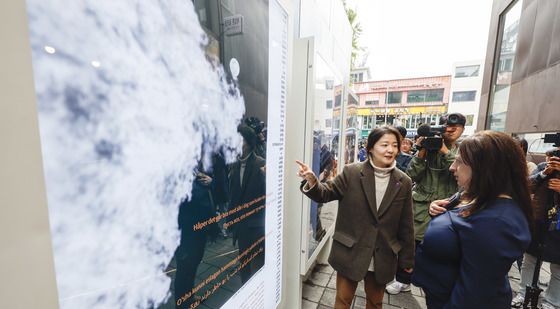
394 97
470 119
337 100
372 102
337 123
329 104
467 71
352 99
367 122
464 96
504 62
434 95
329 84
427 95
352 122
328 123
506 65
357 77
416 96
407 121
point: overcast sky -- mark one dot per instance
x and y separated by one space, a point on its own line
415 38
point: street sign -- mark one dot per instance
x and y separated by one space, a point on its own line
233 25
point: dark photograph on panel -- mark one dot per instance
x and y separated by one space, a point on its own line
152 118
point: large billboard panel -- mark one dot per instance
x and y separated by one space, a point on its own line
157 197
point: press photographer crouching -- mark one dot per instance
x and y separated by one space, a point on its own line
545 246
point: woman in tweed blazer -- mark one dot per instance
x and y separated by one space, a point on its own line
374 233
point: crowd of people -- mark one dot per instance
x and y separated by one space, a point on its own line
452 220
218 189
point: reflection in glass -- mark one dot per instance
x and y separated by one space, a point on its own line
234 231
326 135
351 147
467 71
499 97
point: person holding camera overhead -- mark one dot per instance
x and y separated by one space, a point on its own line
467 252
373 232
545 182
429 169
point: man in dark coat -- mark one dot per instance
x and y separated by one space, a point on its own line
197 209
545 182
403 159
247 183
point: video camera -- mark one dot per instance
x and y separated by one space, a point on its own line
554 139
433 136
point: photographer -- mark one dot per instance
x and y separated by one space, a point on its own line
403 159
429 169
545 182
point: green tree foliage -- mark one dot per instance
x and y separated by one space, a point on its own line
356 31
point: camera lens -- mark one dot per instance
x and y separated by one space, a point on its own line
453 119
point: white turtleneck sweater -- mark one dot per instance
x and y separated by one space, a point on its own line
382 175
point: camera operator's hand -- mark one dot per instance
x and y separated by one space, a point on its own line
444 150
306 173
554 184
552 165
422 152
438 207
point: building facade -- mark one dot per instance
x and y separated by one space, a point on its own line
520 93
466 82
402 102
361 74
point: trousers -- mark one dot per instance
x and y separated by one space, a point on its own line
346 289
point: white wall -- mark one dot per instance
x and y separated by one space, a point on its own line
466 84
326 21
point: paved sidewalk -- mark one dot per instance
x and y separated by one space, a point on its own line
319 290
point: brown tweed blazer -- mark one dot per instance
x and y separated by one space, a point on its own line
362 231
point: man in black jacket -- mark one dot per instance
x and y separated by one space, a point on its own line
545 182
247 183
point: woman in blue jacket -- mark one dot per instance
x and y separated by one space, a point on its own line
467 251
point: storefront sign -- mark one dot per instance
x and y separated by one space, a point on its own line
233 25
402 110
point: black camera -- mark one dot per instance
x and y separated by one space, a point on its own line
433 136
554 139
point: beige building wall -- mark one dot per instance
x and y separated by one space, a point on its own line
27 277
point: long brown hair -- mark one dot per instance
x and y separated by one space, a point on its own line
498 167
